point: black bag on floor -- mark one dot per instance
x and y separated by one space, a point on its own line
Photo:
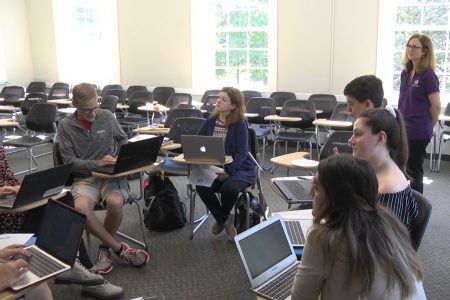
256 213
164 211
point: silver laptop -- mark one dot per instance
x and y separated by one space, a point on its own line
269 258
56 245
293 188
38 185
203 148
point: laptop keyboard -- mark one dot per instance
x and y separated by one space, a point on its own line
41 265
295 189
280 287
295 232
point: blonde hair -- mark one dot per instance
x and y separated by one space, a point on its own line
428 60
237 99
83 92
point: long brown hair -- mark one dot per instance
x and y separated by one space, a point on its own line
370 236
237 99
427 60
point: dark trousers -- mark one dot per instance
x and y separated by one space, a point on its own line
414 166
229 190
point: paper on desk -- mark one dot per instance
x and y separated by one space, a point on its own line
203 175
141 137
14 238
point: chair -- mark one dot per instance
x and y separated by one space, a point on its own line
40 119
135 117
30 100
337 139
162 94
281 97
263 107
324 102
61 84
134 88
209 104
109 103
250 94
116 92
208 93
36 87
59 92
181 113
419 224
340 114
177 99
443 138
12 95
298 131
110 87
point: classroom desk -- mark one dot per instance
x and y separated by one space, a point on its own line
67 110
10 108
152 130
277 119
8 123
60 101
251 115
286 162
191 191
153 108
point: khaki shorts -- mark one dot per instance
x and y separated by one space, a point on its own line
98 188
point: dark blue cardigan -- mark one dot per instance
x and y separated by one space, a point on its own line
236 145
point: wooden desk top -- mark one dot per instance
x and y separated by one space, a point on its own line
181 160
122 106
325 122
277 118
286 161
251 115
33 205
152 130
8 123
444 118
170 146
9 107
154 108
67 110
60 101
131 172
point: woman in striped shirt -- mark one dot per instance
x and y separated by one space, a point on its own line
379 136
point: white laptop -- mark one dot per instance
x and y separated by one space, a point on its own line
203 148
269 258
56 245
297 224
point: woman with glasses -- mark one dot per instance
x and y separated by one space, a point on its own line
356 248
419 102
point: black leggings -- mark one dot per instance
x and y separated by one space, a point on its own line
229 190
414 166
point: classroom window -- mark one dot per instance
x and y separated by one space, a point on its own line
233 43
86 39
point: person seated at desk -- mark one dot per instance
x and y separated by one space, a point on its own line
356 248
228 122
379 136
363 93
90 138
83 271
12 269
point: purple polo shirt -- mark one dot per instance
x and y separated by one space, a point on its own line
414 104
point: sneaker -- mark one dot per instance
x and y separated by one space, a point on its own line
135 257
230 229
79 275
217 227
106 290
104 263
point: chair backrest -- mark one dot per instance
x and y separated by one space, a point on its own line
41 118
36 87
30 100
208 93
58 160
134 104
110 87
338 139
261 106
281 97
340 113
162 94
109 103
147 95
176 99
177 113
183 126
12 94
134 88
61 84
253 143
301 109
59 92
116 92
209 104
250 94
419 224
324 102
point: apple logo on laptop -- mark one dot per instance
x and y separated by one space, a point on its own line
203 149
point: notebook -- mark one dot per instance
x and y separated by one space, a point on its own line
134 155
56 245
293 188
203 148
39 185
269 258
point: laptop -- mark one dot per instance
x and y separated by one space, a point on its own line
293 188
38 185
134 155
203 148
268 258
56 245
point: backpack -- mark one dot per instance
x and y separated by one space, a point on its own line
163 209
256 214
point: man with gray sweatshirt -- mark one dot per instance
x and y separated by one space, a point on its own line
90 139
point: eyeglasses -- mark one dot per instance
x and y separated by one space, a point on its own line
413 47
89 111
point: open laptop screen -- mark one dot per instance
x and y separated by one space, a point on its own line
265 248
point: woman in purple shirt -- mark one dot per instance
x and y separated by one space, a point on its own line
419 102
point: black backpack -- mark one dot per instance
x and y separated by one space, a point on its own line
163 209
256 213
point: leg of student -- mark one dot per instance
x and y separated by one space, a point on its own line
114 212
41 292
229 193
208 196
417 153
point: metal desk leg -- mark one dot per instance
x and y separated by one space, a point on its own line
191 194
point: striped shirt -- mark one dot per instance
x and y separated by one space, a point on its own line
403 204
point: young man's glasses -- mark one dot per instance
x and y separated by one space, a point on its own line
89 111
413 47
